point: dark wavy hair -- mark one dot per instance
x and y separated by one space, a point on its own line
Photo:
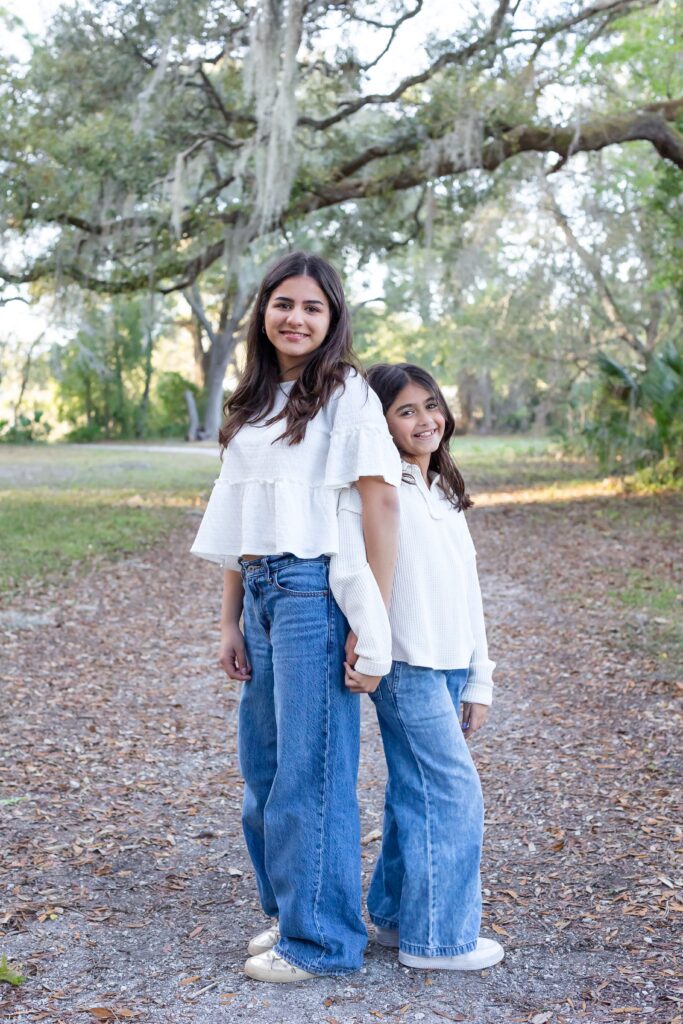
387 380
325 370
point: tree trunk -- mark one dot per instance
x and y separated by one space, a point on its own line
466 385
25 375
193 431
541 416
213 416
221 350
143 408
201 357
484 386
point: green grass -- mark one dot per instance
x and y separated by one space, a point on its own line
66 504
61 505
649 592
96 467
492 462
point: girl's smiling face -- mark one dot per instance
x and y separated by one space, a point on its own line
416 423
296 321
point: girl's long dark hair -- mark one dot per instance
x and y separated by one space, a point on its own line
387 380
325 370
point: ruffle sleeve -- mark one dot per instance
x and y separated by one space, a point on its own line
360 442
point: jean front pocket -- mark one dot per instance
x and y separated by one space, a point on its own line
377 694
393 678
303 579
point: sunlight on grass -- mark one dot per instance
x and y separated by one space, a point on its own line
68 504
47 531
556 492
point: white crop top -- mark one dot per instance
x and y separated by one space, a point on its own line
273 497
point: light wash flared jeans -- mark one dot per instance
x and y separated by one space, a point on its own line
426 881
299 738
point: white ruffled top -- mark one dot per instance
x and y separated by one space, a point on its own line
273 497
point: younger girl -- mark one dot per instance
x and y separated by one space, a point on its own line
425 893
302 424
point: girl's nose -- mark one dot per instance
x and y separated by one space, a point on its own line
294 316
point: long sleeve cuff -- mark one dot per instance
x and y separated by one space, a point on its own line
479 686
477 694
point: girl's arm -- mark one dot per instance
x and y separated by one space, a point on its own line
232 653
368 646
479 686
380 529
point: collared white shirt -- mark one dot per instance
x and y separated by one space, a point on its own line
436 618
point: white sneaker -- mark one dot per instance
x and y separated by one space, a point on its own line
264 941
487 953
269 966
387 937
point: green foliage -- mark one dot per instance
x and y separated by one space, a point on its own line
168 415
104 374
636 421
26 430
646 49
667 203
7 975
132 148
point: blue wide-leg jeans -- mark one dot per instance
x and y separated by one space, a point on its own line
426 881
298 739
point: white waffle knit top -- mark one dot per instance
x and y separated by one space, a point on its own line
273 497
436 619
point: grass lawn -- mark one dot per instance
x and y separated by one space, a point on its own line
66 504
489 463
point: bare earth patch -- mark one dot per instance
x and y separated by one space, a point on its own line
128 893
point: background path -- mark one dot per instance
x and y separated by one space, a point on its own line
127 891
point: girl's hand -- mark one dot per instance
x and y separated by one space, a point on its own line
472 718
232 654
350 648
357 682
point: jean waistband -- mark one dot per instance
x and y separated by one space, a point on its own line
270 563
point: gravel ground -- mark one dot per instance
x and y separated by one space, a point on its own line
127 892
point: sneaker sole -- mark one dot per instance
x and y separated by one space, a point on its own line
437 963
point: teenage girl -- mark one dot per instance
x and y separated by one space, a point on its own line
301 425
425 895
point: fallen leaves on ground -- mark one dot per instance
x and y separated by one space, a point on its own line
120 796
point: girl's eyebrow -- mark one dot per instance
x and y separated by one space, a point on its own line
307 302
409 405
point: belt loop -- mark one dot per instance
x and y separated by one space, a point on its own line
266 567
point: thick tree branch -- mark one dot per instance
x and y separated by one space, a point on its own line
651 124
194 300
538 37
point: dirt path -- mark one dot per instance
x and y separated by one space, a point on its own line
127 889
